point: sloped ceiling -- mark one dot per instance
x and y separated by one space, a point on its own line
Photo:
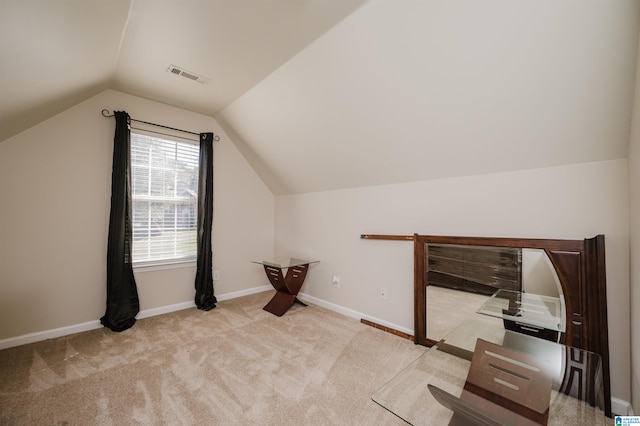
56 53
417 90
329 94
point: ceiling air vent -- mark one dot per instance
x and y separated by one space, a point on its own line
187 74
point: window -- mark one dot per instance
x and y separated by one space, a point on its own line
165 194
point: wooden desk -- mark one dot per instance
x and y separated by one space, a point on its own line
287 286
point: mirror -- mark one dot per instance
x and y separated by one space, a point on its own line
571 291
577 271
480 283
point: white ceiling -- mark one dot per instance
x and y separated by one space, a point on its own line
56 53
418 90
329 94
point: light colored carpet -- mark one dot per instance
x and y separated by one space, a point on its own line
236 364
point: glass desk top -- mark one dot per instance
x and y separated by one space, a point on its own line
284 262
576 395
525 308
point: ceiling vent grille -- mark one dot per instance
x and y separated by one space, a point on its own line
187 74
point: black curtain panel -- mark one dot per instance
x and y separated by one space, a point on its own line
122 294
205 299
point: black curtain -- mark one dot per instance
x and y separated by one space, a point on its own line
122 294
205 299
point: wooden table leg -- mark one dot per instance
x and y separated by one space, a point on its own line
287 288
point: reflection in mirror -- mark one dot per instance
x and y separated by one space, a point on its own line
540 277
448 308
501 286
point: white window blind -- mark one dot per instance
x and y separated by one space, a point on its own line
165 194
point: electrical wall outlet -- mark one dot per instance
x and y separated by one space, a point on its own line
216 275
335 280
383 293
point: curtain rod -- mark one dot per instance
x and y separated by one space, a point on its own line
105 113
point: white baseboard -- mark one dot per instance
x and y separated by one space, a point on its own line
621 407
352 313
147 313
247 292
93 325
49 334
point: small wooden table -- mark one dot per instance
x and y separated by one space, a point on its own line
287 286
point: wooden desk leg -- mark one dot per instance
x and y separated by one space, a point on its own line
287 288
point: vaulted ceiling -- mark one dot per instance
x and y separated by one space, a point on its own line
54 53
329 94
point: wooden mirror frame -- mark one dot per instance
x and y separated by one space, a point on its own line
580 266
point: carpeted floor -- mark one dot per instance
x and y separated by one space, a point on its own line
236 364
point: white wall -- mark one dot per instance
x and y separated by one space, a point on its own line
55 189
634 227
571 202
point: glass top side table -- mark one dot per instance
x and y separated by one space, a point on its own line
284 262
532 314
286 286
